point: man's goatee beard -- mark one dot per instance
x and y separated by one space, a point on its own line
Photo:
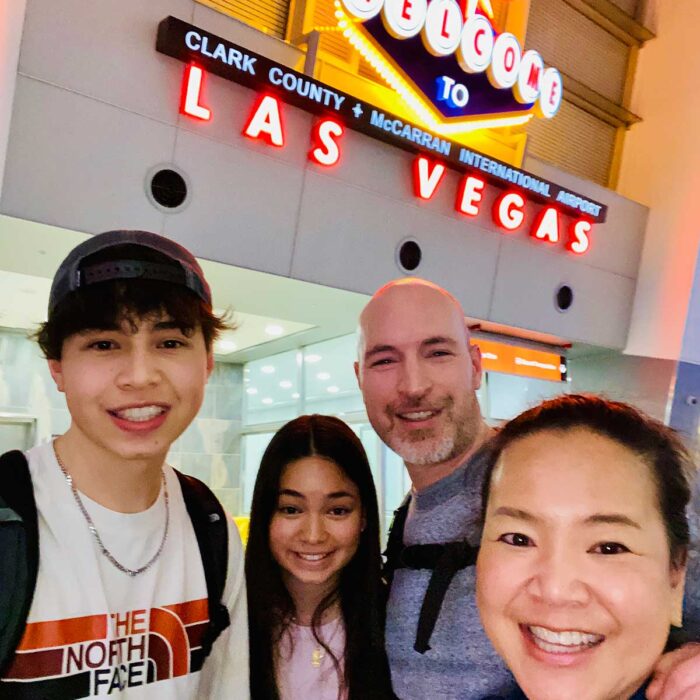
424 452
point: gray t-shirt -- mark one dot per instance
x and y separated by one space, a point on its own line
461 663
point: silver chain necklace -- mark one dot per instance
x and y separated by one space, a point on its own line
96 535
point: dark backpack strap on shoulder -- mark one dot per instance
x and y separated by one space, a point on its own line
394 542
454 556
211 530
444 559
19 544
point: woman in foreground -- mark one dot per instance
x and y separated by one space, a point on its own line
582 561
315 599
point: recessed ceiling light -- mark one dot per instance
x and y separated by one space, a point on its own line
274 329
285 384
312 358
323 376
267 402
332 389
251 391
268 369
224 347
295 395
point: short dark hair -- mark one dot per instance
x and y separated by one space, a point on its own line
657 445
106 305
359 592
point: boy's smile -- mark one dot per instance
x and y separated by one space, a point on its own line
132 390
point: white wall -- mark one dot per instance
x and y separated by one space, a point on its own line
11 21
97 108
661 168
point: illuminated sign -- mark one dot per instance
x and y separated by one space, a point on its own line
449 64
567 218
525 362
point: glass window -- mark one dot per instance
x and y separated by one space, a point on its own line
510 395
329 378
253 447
272 391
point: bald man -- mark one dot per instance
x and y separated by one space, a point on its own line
418 375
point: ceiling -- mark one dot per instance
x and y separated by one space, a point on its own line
270 313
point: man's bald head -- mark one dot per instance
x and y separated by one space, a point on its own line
413 292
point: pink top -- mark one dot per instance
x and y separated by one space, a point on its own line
305 670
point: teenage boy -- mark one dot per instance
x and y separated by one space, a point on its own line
133 593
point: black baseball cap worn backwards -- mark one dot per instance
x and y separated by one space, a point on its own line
182 268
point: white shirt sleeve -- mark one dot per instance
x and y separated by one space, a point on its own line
225 671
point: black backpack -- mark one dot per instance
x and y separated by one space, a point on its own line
19 551
444 559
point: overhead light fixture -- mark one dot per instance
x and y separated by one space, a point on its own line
224 346
268 369
332 389
251 391
312 358
267 401
274 329
285 384
295 395
323 376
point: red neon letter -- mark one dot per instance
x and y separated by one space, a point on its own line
533 80
553 95
325 149
509 59
508 211
579 241
444 25
425 179
469 195
191 93
546 227
477 36
266 122
407 5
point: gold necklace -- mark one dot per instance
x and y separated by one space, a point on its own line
317 655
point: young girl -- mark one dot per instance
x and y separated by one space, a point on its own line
315 598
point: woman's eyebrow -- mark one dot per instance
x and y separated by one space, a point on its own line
291 492
612 519
516 513
340 494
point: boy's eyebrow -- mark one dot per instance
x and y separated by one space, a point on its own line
110 327
167 326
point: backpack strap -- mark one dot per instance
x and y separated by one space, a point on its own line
394 542
19 542
445 560
211 530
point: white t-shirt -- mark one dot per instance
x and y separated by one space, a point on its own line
94 630
305 670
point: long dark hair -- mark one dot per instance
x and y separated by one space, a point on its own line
359 591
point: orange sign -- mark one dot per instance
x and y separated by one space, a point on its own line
511 359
